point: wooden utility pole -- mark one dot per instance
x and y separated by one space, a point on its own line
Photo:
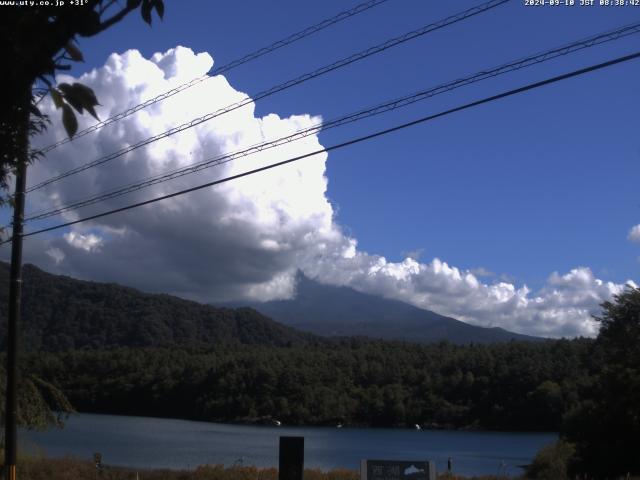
15 292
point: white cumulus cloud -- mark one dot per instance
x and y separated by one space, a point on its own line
248 238
634 233
239 239
564 307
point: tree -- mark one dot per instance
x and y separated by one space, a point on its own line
605 427
552 462
40 403
35 42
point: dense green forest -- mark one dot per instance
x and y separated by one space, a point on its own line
522 386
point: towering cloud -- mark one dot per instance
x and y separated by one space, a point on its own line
247 238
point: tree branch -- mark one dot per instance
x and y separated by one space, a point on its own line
112 21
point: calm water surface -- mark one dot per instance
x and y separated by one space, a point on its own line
166 443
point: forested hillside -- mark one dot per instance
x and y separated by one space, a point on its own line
62 313
113 349
517 386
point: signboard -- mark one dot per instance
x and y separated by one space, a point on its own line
397 470
291 464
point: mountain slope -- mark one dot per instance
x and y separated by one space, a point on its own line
342 311
62 313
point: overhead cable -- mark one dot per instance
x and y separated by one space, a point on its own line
278 88
362 7
354 141
511 66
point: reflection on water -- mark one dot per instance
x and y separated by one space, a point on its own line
167 443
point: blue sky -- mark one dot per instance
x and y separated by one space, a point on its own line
512 191
525 186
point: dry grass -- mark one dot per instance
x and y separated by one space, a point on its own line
74 469
39 468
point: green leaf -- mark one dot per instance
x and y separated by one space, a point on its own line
86 97
145 11
73 51
73 100
56 97
85 93
64 88
159 4
92 111
80 97
69 120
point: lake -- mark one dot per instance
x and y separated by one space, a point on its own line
144 442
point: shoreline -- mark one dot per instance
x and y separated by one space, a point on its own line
270 422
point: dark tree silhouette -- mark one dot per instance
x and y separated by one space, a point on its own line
35 43
606 425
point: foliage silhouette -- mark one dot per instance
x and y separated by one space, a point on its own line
36 42
605 424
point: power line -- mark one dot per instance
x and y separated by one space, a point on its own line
278 88
514 65
371 136
362 7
